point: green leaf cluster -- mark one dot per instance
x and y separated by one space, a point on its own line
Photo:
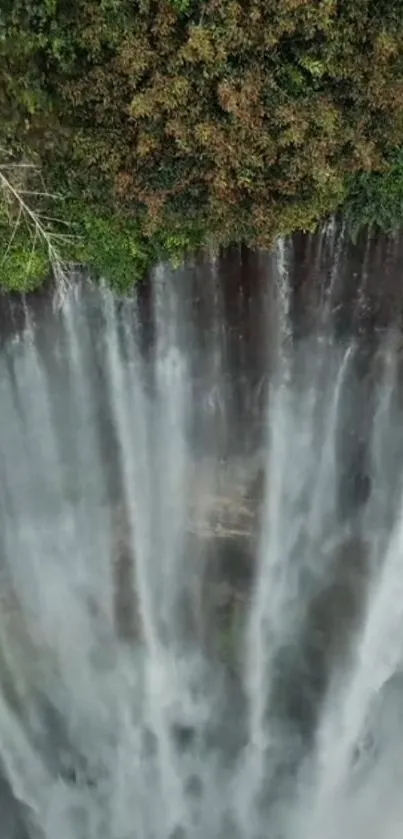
375 199
178 122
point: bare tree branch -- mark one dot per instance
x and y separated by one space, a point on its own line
12 237
36 221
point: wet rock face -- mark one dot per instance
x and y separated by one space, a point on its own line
231 565
15 818
355 431
213 611
381 730
355 482
221 532
125 601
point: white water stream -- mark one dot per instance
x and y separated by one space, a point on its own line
119 717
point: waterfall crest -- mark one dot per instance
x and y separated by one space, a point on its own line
201 615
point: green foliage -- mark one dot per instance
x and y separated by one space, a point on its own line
182 6
22 268
112 247
375 199
116 249
182 121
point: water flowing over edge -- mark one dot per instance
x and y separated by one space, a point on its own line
119 714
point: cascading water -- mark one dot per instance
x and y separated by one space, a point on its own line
187 648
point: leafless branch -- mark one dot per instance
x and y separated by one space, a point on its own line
12 237
36 221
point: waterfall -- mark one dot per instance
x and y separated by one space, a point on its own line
201 595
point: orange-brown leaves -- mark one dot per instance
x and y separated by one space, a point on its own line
123 184
165 95
199 47
251 113
135 57
242 98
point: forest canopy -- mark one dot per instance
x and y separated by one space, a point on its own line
163 125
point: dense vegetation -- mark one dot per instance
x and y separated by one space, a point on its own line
165 124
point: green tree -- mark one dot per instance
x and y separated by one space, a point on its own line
195 120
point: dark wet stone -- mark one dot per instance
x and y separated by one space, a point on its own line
148 743
184 735
382 727
194 786
355 484
15 817
178 832
79 776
